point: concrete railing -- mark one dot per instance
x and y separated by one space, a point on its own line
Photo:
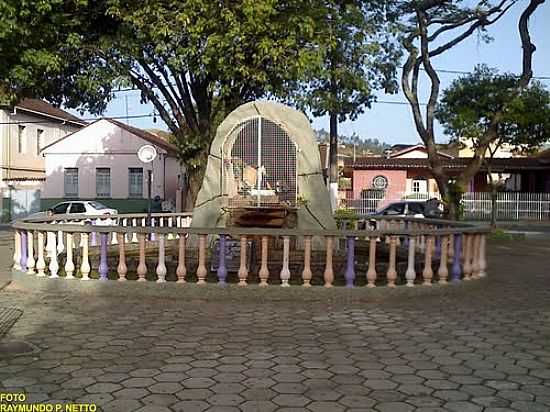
391 252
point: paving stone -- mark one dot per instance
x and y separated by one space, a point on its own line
317 406
463 407
103 387
131 393
394 407
258 406
225 399
291 400
122 405
165 387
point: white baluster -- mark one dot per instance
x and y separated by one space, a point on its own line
40 263
285 271
17 251
60 245
69 264
134 234
170 235
410 274
85 264
114 240
54 266
30 253
161 267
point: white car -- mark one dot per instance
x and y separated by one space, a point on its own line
85 207
78 208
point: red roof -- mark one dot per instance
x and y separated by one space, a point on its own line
150 137
46 109
145 135
498 164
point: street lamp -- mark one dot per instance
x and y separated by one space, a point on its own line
147 154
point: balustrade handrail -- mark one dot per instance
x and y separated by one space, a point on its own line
69 238
452 227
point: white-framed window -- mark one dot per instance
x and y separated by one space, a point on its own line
103 182
39 141
419 186
135 182
71 182
20 139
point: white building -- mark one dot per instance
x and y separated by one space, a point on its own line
100 162
25 129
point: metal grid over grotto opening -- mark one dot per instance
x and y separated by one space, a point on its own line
259 166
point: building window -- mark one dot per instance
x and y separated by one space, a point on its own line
135 182
103 182
21 139
419 186
71 182
39 141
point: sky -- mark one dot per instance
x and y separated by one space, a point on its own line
393 123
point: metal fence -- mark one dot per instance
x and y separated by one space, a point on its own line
476 205
509 206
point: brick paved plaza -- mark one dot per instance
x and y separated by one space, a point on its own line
473 346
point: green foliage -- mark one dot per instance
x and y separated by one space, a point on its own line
500 234
363 146
360 54
475 102
345 217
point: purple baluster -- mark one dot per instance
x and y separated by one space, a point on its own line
93 239
437 247
456 270
103 268
350 267
23 261
222 270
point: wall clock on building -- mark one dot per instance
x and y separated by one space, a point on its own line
380 182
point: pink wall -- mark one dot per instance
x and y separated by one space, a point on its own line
397 182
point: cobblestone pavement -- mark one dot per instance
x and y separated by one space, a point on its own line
476 346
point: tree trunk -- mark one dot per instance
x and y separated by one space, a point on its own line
333 160
451 196
194 180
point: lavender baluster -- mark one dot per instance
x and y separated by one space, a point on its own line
456 270
350 266
103 268
23 261
222 270
437 247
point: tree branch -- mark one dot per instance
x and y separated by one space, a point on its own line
526 44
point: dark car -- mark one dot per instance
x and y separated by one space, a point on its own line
412 208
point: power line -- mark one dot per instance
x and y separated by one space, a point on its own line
447 71
90 119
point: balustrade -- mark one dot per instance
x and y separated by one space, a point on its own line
444 249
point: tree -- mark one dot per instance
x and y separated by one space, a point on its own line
41 54
470 106
435 27
361 54
194 60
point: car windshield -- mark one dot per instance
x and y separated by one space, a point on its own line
97 205
394 209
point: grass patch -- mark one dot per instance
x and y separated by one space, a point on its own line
500 234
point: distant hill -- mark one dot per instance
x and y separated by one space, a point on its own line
363 146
